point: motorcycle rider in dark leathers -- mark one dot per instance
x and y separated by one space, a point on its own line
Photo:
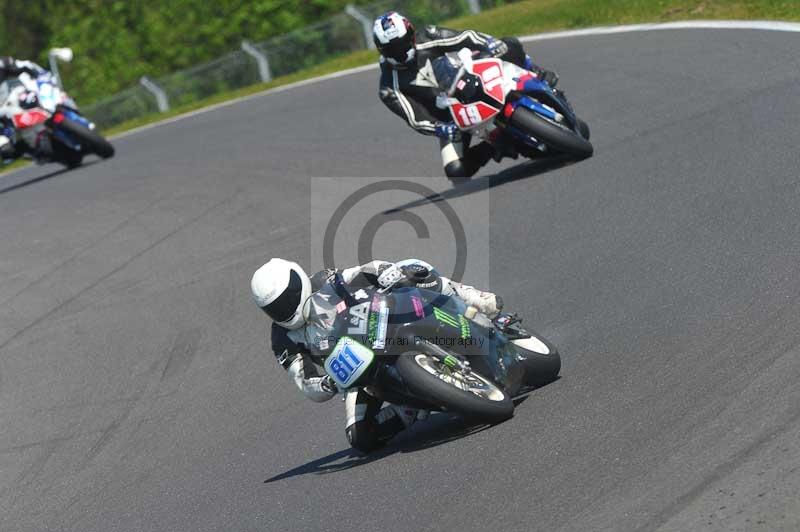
10 147
407 90
280 288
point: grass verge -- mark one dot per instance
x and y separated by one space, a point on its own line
521 18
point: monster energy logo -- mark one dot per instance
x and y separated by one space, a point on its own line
372 326
461 323
444 317
465 332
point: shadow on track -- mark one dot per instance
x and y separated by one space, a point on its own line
54 173
515 173
438 429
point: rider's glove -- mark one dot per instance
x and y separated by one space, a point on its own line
496 47
390 276
548 76
328 384
448 131
8 132
7 139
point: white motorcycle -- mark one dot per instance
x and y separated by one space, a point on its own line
48 121
501 103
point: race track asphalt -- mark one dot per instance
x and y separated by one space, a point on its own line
137 388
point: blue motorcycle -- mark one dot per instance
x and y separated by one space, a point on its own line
48 121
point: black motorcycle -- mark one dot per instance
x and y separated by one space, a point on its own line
423 349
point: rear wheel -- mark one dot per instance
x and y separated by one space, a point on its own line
469 394
555 136
89 138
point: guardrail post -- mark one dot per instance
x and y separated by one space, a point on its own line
474 6
261 60
365 21
158 92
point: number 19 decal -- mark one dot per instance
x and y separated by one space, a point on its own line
469 115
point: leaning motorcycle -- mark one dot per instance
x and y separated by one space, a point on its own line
501 103
48 121
423 349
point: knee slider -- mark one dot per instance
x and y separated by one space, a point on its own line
456 169
362 436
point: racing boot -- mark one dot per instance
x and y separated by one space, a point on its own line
503 146
368 428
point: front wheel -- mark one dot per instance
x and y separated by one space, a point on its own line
90 139
539 358
583 129
557 137
471 395
66 155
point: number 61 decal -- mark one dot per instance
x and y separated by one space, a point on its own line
348 361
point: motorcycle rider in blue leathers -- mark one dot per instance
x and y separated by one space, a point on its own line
10 147
280 288
406 90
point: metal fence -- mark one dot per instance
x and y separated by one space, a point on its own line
258 62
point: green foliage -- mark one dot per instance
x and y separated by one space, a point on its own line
115 42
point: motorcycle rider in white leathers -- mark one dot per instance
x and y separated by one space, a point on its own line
10 148
280 288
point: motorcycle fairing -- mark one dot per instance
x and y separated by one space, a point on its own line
30 118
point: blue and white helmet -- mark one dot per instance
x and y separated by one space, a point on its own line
395 38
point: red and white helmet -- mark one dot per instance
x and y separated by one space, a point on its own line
395 38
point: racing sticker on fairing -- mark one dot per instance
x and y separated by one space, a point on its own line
461 323
358 318
383 323
348 361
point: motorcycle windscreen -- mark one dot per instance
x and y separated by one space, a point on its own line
320 312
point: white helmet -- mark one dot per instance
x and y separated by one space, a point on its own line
280 287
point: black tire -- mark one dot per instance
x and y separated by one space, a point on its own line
469 405
556 137
91 140
540 368
66 156
583 129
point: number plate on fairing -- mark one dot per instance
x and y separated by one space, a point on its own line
348 361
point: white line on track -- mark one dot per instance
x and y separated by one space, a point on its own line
766 25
